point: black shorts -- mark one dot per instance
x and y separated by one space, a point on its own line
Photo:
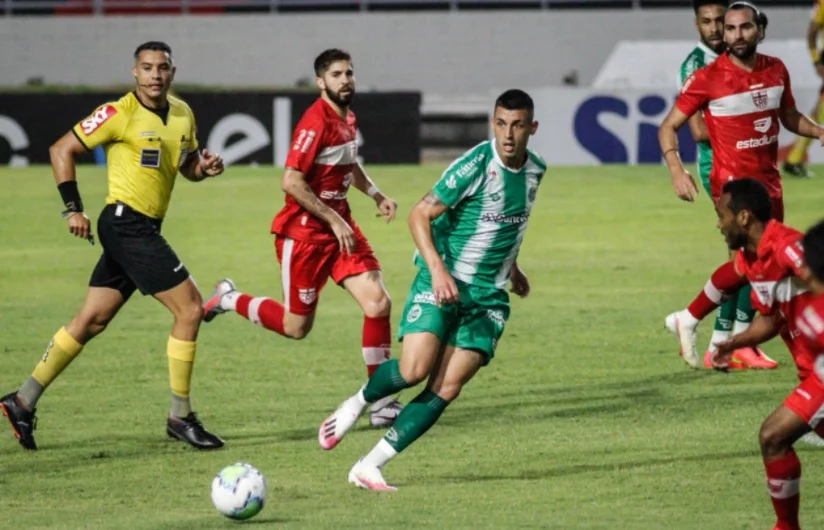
135 255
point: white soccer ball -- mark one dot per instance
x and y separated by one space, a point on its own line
239 491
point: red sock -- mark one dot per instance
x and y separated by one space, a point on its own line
783 484
377 342
721 285
262 311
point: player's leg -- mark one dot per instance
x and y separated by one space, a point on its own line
801 412
424 328
109 288
359 273
304 270
723 284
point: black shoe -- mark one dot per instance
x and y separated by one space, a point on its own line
191 431
797 170
22 421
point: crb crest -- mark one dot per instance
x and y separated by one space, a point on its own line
760 99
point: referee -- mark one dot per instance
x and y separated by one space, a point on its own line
148 135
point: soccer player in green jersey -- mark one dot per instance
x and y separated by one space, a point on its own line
735 315
468 230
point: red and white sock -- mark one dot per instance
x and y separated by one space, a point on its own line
264 312
783 484
377 342
721 285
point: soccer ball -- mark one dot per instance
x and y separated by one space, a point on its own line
239 491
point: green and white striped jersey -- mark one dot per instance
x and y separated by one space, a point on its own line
699 57
478 238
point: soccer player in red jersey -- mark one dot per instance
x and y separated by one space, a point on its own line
315 235
771 257
744 96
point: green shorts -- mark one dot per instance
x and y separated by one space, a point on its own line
476 323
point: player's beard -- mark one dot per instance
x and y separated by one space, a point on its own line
736 240
746 53
338 99
719 47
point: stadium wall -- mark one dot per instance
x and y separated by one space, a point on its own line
450 54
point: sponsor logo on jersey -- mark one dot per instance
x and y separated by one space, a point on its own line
757 142
451 183
333 195
762 125
150 158
98 118
760 99
469 166
504 219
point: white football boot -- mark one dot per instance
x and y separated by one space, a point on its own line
384 412
212 307
368 477
335 427
687 338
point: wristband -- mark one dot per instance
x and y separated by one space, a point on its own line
372 191
70 195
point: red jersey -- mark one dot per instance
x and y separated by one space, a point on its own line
811 324
324 148
774 273
741 110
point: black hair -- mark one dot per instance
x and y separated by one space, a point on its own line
153 45
749 194
697 4
814 250
515 99
760 18
327 57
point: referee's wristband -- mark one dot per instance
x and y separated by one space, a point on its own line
70 196
372 191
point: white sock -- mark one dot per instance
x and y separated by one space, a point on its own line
355 403
739 327
380 455
686 317
229 301
718 335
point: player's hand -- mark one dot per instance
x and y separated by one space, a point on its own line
386 206
79 225
520 283
444 288
210 164
345 235
684 185
723 353
821 138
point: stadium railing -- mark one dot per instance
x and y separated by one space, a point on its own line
183 7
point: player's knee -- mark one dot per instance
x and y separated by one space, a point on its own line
772 440
190 314
297 328
379 307
414 373
449 391
86 325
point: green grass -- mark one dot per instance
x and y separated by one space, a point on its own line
587 418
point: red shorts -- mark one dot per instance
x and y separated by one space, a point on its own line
305 267
807 402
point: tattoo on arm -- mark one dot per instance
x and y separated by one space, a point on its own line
316 204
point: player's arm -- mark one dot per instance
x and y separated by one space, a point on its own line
796 122
762 329
200 166
682 181
294 184
360 180
62 155
520 283
812 41
420 224
698 128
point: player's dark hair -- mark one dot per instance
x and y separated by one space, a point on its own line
757 15
698 4
327 57
515 99
749 194
154 46
814 250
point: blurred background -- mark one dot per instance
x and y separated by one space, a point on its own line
602 72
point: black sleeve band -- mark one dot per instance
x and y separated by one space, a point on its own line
71 196
79 139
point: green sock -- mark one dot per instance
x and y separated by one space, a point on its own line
744 313
415 419
726 315
385 381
